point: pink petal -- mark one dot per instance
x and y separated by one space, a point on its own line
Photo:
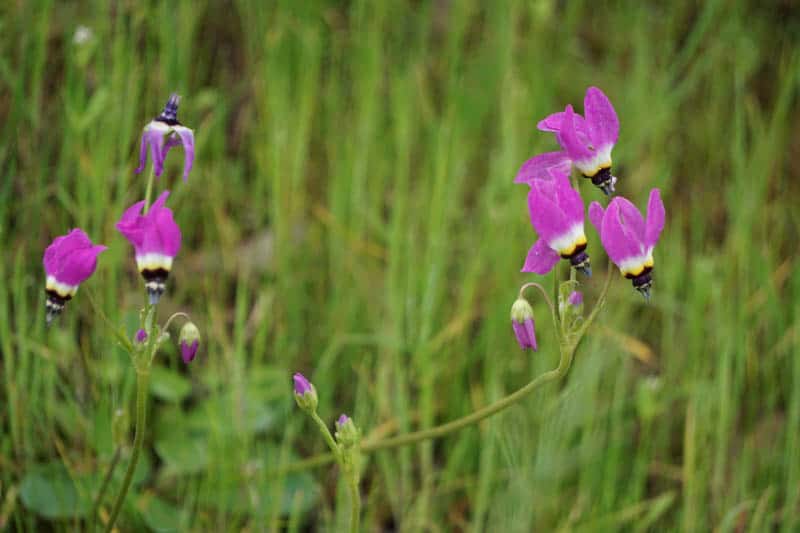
187 138
618 234
569 200
540 166
568 138
601 119
596 215
547 218
655 219
541 258
142 154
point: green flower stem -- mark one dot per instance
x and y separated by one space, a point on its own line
148 192
546 299
142 384
326 433
567 349
104 487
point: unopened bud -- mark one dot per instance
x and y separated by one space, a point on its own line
523 324
140 336
304 393
346 431
189 341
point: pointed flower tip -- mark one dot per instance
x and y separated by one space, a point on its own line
304 393
140 336
343 418
301 384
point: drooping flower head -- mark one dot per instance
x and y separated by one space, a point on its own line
163 133
189 341
523 324
628 238
156 239
556 211
586 142
68 261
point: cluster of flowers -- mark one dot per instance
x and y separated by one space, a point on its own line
156 238
557 209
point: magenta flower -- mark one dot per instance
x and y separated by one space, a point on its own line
523 324
556 212
189 341
628 238
163 133
588 142
156 239
68 261
141 336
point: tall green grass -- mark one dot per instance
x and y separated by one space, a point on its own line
352 215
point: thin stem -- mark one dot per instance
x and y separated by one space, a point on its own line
326 433
355 503
546 299
104 487
148 192
142 383
174 316
568 349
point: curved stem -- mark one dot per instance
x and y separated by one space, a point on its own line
546 299
181 314
142 383
104 487
567 349
326 433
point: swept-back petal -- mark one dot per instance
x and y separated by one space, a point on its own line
619 234
142 154
541 166
568 138
79 265
187 138
655 219
568 199
541 258
552 123
547 218
596 215
130 225
601 119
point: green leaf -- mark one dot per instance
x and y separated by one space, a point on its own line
49 491
158 514
168 385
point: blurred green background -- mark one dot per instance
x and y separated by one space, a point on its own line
352 215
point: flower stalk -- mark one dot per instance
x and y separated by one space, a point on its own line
567 348
142 387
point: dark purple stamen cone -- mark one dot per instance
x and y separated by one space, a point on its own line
170 113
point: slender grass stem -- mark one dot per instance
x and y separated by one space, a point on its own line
142 383
104 487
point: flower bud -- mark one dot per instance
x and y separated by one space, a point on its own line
524 327
189 341
140 336
346 431
304 393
